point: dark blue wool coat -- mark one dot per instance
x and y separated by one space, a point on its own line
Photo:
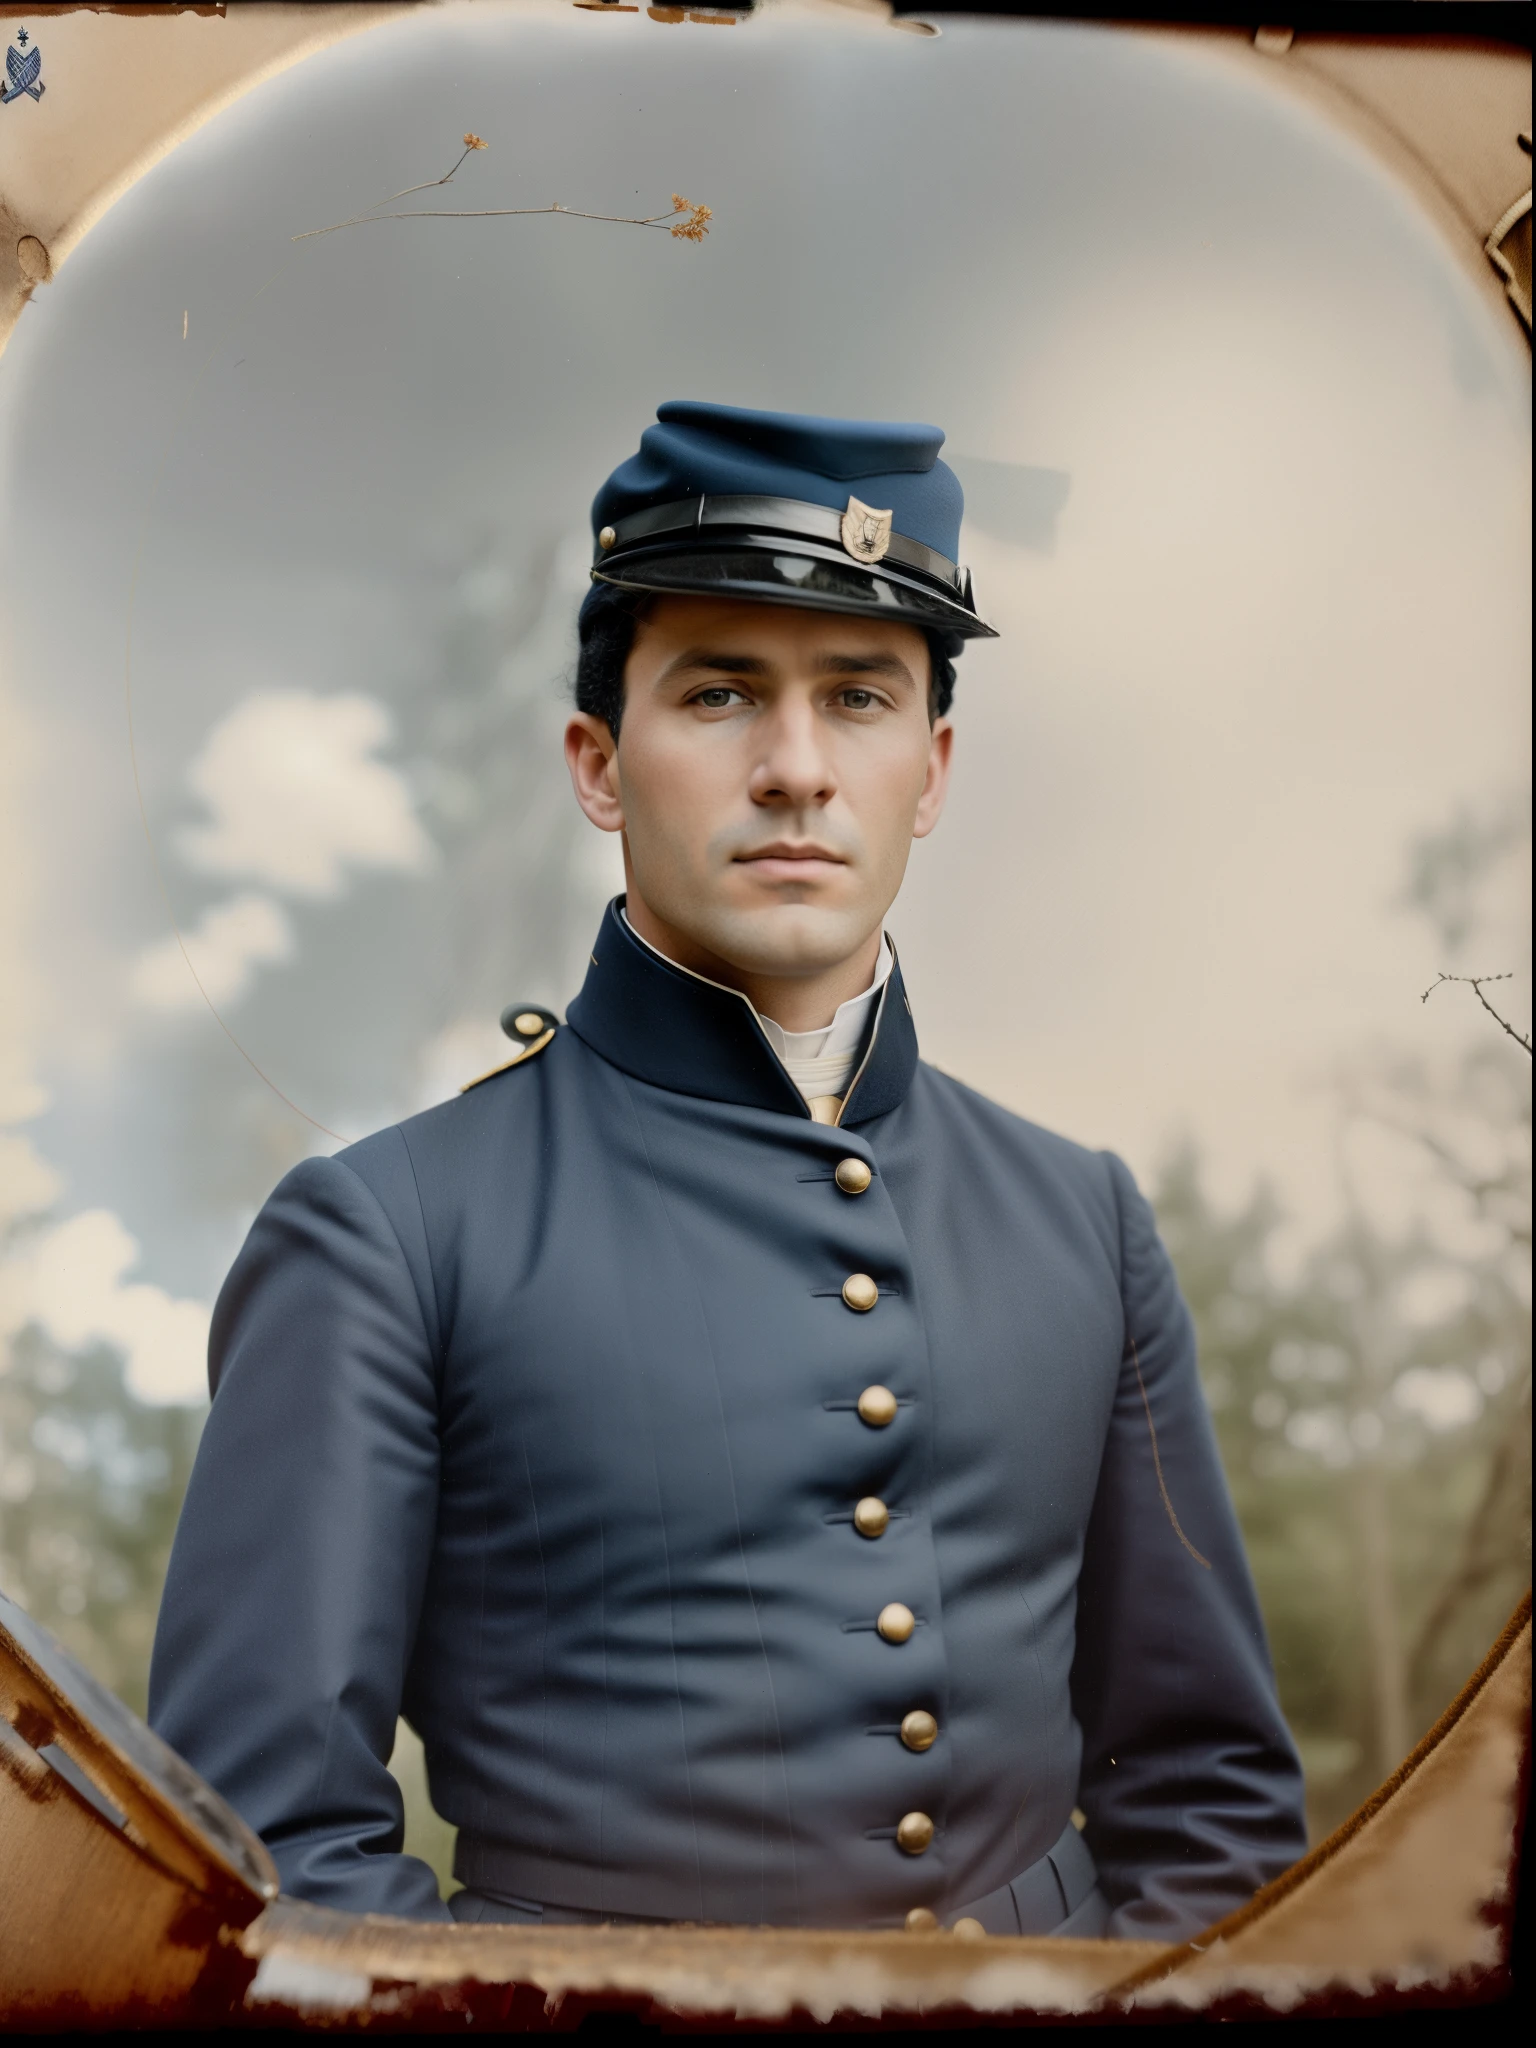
535 1419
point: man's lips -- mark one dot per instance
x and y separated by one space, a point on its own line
787 863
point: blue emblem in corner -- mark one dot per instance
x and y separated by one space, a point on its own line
23 68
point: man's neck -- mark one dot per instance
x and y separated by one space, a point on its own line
805 1002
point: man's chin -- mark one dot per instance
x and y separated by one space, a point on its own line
786 939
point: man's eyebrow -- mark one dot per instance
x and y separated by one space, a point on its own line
722 664
826 664
865 665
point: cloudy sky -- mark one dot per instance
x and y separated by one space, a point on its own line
1246 462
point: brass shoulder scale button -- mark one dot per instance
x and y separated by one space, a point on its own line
877 1407
896 1621
871 1517
527 1020
922 1920
860 1292
607 537
968 1930
852 1176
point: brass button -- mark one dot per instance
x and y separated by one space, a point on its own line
969 1929
919 1730
921 1920
860 1292
896 1622
914 1832
877 1407
871 1517
607 537
852 1176
527 1023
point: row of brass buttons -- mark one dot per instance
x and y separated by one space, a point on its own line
919 1729
922 1920
859 1290
896 1621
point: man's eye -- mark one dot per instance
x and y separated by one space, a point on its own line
858 700
717 699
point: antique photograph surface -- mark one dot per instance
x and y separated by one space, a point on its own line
298 455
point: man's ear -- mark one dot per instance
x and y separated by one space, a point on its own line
592 756
930 805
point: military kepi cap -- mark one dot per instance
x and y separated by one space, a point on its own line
856 516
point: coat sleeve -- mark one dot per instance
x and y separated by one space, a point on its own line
296 1577
1190 1781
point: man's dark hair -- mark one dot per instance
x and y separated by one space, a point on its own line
607 625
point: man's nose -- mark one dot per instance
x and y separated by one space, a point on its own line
794 767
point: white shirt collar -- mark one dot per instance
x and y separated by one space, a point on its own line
840 1038
819 1063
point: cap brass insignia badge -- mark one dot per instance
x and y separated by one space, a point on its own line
866 532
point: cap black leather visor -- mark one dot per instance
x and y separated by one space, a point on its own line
771 569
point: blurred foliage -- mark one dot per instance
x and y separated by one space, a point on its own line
91 1482
1449 869
1373 1403
427 1834
1373 1411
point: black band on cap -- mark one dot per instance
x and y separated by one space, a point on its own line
793 517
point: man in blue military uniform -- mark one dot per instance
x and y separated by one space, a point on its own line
772 1479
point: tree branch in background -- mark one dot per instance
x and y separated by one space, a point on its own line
1504 1505
685 222
1475 983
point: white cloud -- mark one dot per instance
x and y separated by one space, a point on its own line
296 798
69 1280
27 1182
227 945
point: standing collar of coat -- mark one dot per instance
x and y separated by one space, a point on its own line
674 1029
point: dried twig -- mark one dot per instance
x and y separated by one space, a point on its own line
471 142
686 221
1475 983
